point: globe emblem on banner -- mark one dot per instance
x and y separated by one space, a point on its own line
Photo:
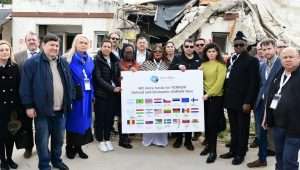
154 79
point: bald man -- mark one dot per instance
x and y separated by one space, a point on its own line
283 111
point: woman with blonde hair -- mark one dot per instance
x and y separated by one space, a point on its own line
78 122
9 102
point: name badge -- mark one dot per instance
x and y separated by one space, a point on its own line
275 101
87 84
227 75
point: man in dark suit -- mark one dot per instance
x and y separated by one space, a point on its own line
268 70
240 91
32 44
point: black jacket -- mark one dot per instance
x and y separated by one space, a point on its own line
103 75
190 64
243 84
289 103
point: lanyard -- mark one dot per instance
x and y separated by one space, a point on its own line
157 64
85 75
283 82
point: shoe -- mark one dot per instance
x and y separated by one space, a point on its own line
12 164
81 154
205 151
211 157
177 143
61 166
102 146
254 144
227 145
189 146
227 155
256 164
237 160
204 142
270 153
4 165
70 152
196 136
28 153
109 146
125 145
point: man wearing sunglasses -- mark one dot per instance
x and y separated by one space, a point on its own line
188 60
240 91
199 46
114 38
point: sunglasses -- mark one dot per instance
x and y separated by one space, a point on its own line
239 45
188 46
281 46
200 45
113 38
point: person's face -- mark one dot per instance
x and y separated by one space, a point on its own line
280 46
4 52
106 48
157 53
268 51
128 53
188 48
212 54
82 44
141 44
32 42
239 46
170 49
51 48
114 38
199 46
290 59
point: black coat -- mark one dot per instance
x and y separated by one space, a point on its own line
103 75
243 84
289 103
190 64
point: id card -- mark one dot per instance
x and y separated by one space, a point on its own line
87 84
275 101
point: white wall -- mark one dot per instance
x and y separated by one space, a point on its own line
6 31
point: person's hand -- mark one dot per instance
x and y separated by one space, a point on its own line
200 67
264 123
133 69
31 113
182 67
246 108
117 89
205 97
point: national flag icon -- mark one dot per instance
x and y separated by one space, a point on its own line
149 122
166 100
176 110
184 121
140 122
139 101
195 110
130 122
167 110
157 111
176 99
131 101
176 121
167 121
157 100
148 101
195 120
185 100
194 99
158 121
185 110
139 111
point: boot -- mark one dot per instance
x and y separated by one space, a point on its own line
70 152
81 153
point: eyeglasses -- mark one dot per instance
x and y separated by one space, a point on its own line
114 38
200 45
239 45
188 46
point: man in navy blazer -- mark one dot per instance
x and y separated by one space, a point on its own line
268 70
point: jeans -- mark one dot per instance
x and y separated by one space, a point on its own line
45 127
286 149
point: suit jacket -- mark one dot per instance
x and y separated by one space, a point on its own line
265 83
243 84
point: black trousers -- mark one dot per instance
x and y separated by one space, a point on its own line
239 129
6 139
187 135
27 126
103 118
213 109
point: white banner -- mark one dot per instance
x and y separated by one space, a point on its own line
162 101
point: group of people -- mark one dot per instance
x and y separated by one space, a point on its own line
60 94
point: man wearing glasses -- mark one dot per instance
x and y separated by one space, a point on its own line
199 46
240 91
114 38
188 60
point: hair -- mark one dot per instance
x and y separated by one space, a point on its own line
163 57
115 32
200 39
165 47
50 37
126 46
106 41
217 48
30 33
11 57
141 38
73 49
267 41
186 41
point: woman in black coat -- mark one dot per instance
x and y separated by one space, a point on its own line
9 102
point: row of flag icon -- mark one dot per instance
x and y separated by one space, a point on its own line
163 100
161 121
167 111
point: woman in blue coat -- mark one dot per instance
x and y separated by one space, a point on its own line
78 123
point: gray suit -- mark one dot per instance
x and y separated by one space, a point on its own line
20 58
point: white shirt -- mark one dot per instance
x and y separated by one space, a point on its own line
29 53
140 57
